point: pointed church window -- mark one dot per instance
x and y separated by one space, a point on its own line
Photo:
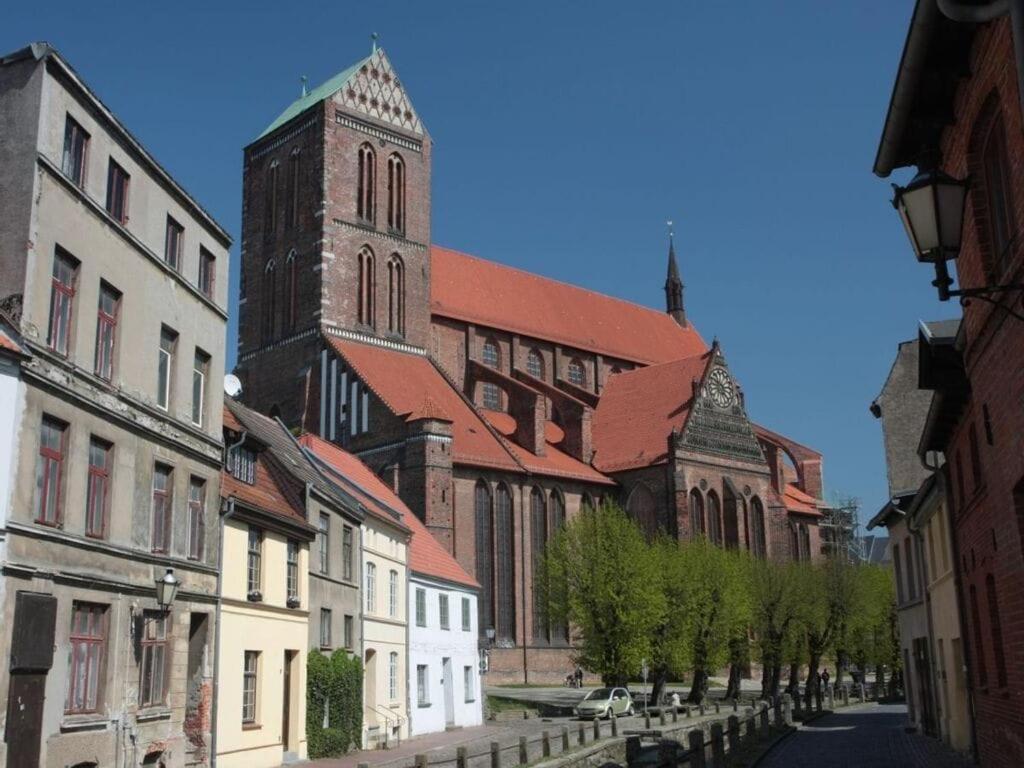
291 298
292 210
396 295
270 216
714 519
396 193
367 286
366 184
269 295
484 554
505 592
696 513
539 541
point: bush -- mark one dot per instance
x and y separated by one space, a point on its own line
333 686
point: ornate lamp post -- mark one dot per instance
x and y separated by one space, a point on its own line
167 589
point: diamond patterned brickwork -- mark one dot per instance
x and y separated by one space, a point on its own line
376 91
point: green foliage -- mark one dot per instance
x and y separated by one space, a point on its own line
333 685
602 579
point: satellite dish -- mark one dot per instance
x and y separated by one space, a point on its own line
232 385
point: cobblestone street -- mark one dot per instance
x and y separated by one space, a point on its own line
863 737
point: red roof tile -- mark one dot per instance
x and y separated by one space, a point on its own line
475 290
798 501
410 386
554 462
267 494
426 556
639 409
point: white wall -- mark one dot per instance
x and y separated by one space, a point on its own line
431 644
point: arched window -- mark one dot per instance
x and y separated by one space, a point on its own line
587 502
491 393
366 183
396 193
696 513
643 510
559 629
484 554
794 541
291 291
805 541
577 373
714 518
367 287
757 545
291 213
505 584
535 364
270 215
539 540
269 296
396 295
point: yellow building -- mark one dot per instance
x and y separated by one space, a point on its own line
264 617
385 550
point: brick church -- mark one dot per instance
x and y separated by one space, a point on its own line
496 402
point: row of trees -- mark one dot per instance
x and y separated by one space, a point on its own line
696 608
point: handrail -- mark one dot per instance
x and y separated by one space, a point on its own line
390 716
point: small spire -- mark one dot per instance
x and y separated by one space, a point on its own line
305 81
673 283
374 37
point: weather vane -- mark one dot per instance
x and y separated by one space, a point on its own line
374 37
671 231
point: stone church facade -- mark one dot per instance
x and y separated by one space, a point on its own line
496 402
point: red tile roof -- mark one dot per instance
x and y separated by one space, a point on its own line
475 290
639 409
411 386
798 501
270 492
426 556
554 462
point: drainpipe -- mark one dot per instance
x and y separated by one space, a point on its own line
958 10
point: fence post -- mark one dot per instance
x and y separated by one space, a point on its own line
686 711
675 715
846 695
748 716
666 753
545 744
735 705
632 749
733 734
615 725
597 729
717 746
765 726
581 735
421 761
695 741
862 694
787 708
523 759
661 717
495 755
647 721
829 702
700 709
461 757
565 738
718 708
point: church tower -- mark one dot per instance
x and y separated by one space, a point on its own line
336 213
335 229
674 286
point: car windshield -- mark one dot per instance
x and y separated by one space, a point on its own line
600 693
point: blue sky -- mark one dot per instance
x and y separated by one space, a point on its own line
566 134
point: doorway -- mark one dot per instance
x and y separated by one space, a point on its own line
286 701
449 695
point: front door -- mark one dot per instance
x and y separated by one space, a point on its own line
449 694
286 699
32 635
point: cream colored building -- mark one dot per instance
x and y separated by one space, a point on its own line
117 280
264 609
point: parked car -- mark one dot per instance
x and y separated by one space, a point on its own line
604 702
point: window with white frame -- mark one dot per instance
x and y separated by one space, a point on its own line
325 628
421 607
393 676
393 594
422 686
468 683
370 587
165 367
466 625
250 680
442 610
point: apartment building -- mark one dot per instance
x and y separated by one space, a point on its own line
116 279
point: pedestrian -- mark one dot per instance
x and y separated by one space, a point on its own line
579 676
825 677
675 700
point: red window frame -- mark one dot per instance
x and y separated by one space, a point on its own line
118 182
153 659
88 648
106 333
97 491
207 272
173 243
163 499
62 302
196 518
76 151
48 457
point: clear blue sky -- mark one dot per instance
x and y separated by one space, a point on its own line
566 134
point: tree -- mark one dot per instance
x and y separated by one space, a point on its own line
602 580
774 590
871 637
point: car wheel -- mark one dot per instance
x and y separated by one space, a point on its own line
630 712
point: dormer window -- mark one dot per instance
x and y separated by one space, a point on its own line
577 374
243 464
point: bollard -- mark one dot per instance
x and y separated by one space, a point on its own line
846 695
718 708
523 759
765 726
748 717
565 738
829 702
661 717
717 746
695 741
686 711
675 715
420 761
787 708
700 709
647 721
732 734
495 755
461 757
581 735
735 705
545 744
632 749
615 725
597 729
862 695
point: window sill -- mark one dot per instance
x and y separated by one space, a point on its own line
84 721
251 726
423 705
149 714
326 648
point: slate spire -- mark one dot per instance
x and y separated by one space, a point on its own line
674 284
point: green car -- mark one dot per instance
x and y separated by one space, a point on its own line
604 702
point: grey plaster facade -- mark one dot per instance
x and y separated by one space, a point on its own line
53 557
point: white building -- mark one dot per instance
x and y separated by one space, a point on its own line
444 661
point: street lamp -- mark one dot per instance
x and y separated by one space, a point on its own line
167 589
931 207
